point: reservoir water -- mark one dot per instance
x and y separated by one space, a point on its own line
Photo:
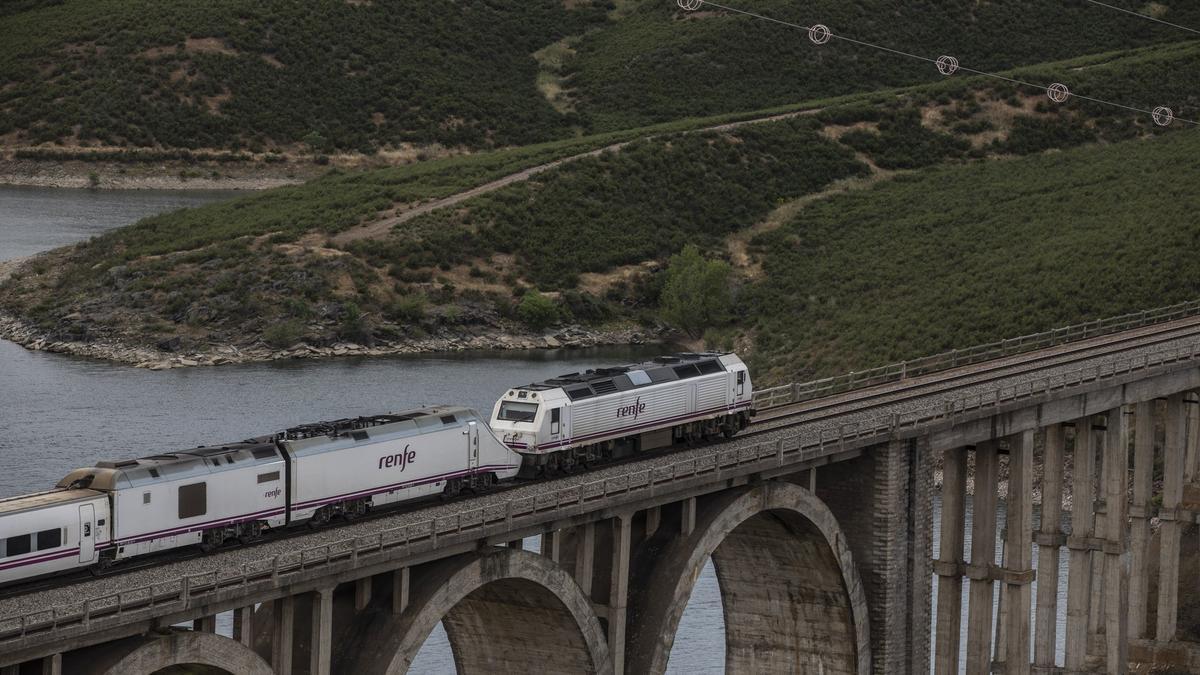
59 412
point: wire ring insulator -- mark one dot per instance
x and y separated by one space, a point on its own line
1163 116
819 34
689 5
947 65
1058 92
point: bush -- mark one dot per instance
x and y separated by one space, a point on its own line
355 326
409 309
537 311
697 293
283 334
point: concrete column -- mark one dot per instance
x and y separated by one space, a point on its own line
205 624
999 641
920 557
653 520
1139 512
1169 530
243 625
282 635
552 545
1116 617
321 644
949 567
1096 611
983 557
1019 550
362 593
52 665
687 516
400 590
585 557
618 595
1050 537
1079 574
1191 461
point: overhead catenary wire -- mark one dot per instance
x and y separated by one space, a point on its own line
1058 92
1144 16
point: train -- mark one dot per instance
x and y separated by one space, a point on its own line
310 474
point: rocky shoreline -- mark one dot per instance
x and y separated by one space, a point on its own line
570 337
103 175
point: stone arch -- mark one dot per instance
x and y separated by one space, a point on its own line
792 597
150 654
504 610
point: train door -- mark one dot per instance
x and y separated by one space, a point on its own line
472 446
556 424
87 533
741 383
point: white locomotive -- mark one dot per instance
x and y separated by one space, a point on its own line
207 495
571 420
311 473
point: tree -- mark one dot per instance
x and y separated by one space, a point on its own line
537 311
696 294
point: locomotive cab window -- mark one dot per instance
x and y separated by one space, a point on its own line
555 420
193 500
514 411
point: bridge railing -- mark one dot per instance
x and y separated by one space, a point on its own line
190 590
896 372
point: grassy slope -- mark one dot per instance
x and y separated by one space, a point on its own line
263 73
643 203
231 271
661 63
958 256
236 74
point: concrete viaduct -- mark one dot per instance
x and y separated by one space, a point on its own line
820 532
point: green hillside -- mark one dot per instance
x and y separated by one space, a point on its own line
952 257
833 220
240 74
361 75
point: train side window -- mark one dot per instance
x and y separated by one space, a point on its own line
145 497
555 418
268 477
741 382
18 545
49 539
193 500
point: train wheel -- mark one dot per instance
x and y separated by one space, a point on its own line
453 488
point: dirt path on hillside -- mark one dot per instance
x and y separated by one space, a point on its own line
738 243
405 212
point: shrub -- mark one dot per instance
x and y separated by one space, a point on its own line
283 334
697 294
537 311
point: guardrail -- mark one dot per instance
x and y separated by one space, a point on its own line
181 593
895 372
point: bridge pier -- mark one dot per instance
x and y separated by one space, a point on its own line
883 500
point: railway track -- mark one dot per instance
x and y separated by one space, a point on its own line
768 420
949 381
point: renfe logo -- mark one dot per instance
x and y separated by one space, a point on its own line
632 410
272 494
401 459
